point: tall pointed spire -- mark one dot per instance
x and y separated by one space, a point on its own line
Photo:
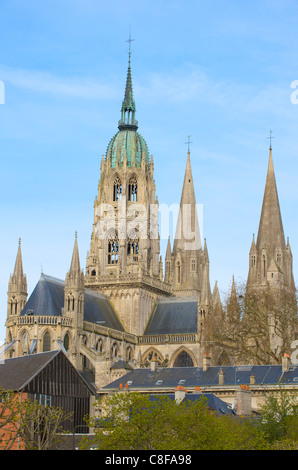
17 286
270 249
128 108
18 269
75 277
187 234
270 227
75 267
188 262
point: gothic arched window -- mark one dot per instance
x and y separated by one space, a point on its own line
115 349
46 342
133 249
133 189
183 360
113 250
178 272
99 346
129 354
25 343
66 341
264 266
152 355
117 189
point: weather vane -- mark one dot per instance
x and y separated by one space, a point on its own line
270 137
188 142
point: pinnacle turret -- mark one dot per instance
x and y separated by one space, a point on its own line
17 286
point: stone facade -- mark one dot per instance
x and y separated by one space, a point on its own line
128 310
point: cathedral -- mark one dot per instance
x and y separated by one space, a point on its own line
128 309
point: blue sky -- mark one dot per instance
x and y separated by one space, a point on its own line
219 71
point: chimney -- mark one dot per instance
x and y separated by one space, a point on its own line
252 379
285 362
221 377
153 366
243 401
179 394
206 362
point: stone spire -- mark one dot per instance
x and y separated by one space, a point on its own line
233 307
187 235
74 291
270 260
128 108
188 258
270 227
75 268
75 277
18 269
17 286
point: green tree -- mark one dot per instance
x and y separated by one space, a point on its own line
41 427
9 418
132 421
280 417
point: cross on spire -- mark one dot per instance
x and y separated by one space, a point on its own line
129 40
188 142
270 137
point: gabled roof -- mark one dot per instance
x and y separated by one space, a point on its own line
15 373
173 316
48 299
190 377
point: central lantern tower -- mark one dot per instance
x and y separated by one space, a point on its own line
124 259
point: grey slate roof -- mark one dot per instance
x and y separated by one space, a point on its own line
163 377
47 298
173 316
213 402
16 372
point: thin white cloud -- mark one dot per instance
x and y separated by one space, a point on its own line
194 85
43 82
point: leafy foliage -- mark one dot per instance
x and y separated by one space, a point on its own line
132 421
34 426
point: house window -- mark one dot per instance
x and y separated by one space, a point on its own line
42 399
193 265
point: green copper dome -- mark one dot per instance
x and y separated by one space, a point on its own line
131 142
127 140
